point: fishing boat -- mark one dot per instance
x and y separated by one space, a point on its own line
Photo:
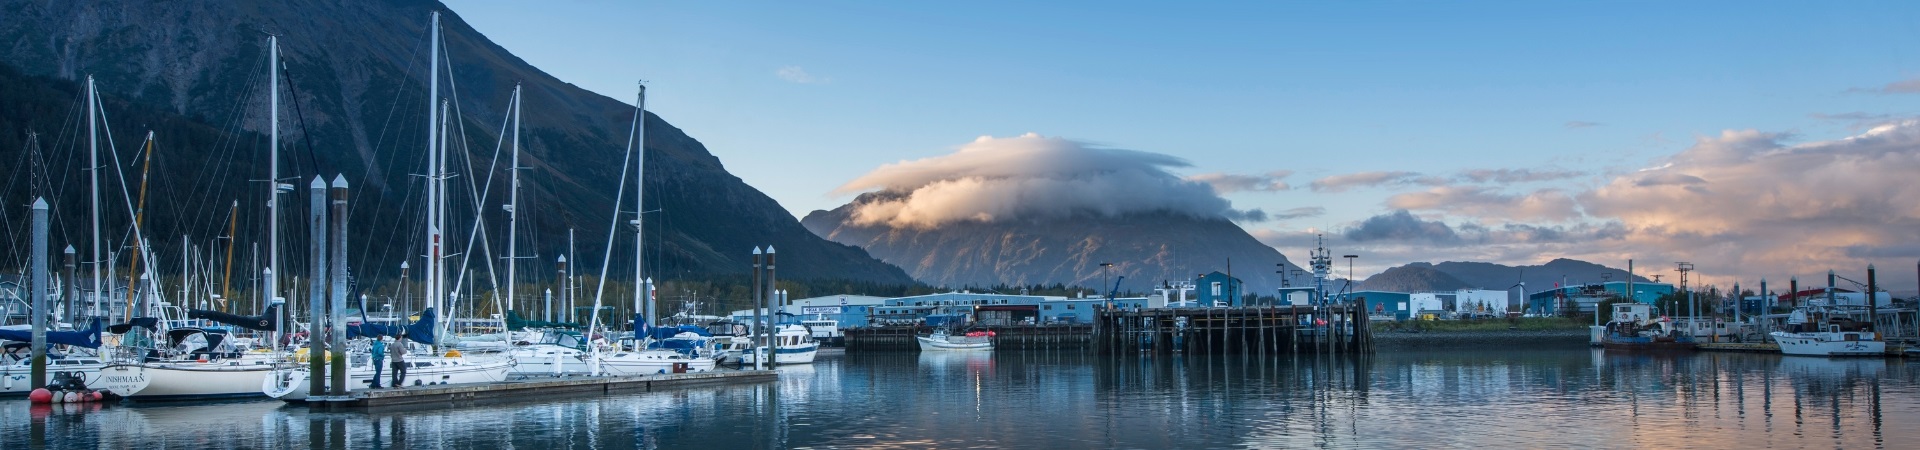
1807 336
826 331
793 344
1634 328
942 341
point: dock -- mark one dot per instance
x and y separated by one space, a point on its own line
1014 337
529 389
1234 330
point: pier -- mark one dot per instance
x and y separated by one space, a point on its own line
1244 330
529 389
1016 337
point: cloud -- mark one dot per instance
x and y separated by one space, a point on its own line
1401 225
1856 121
1299 213
1898 87
1481 201
1342 183
1227 183
1509 176
1033 177
796 74
1581 124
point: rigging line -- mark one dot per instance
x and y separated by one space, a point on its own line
479 200
614 228
393 233
301 115
126 197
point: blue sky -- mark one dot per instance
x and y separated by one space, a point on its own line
799 98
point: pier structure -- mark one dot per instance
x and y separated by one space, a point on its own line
1013 337
1243 330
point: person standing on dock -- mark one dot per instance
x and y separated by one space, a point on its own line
379 351
400 360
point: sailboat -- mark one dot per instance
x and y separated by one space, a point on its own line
639 360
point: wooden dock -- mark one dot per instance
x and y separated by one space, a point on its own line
1242 330
1017 337
535 388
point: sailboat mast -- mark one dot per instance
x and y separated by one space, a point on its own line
641 301
433 171
273 167
513 201
93 173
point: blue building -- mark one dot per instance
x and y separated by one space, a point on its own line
1380 303
1587 296
1217 288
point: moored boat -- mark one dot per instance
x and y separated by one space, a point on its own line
941 340
1634 328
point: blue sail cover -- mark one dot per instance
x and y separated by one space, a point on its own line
422 331
262 322
89 338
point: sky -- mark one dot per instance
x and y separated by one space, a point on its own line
1752 139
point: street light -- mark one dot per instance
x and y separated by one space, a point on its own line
1350 272
1103 279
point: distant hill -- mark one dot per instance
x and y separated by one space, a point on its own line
1422 276
1416 277
354 103
1148 249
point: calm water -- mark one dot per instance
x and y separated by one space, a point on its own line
1458 399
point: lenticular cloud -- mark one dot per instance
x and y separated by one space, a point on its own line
1032 177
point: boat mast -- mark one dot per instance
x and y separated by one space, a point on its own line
431 282
273 170
642 302
513 201
93 173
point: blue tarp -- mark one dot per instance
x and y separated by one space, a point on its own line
89 338
667 332
262 322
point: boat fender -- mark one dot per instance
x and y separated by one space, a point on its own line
40 396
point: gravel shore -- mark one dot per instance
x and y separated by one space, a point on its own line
1394 340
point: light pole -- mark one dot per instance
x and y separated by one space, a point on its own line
1103 280
1349 273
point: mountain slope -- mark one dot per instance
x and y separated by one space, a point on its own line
1148 249
1481 275
1416 277
354 102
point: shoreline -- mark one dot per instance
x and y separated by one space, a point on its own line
1521 339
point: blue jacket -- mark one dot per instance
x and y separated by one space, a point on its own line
379 350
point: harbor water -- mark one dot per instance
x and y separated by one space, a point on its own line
1431 399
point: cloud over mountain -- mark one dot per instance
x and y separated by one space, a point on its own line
1033 177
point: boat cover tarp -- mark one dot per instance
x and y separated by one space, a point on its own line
150 323
262 322
89 338
667 332
422 330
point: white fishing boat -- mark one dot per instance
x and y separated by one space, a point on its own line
793 344
941 341
1806 336
826 331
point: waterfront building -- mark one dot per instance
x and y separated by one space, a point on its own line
1218 289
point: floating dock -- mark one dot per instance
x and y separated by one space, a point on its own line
533 388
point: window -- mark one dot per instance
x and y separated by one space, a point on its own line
1069 306
1047 307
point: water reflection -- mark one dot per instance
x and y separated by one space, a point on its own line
1071 400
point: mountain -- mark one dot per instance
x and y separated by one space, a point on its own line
354 103
1416 277
1422 276
1148 249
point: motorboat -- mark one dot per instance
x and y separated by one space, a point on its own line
942 341
792 344
826 331
1634 328
1805 336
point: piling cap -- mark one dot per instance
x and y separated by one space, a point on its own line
69 249
318 182
756 249
339 181
39 203
769 249
563 258
403 264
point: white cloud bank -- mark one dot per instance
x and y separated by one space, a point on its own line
1033 177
